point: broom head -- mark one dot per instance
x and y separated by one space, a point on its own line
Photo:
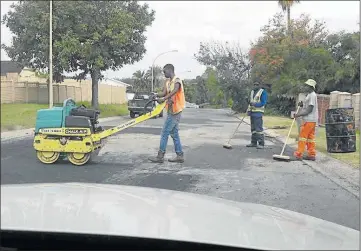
227 146
281 157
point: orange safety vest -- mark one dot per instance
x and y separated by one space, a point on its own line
178 99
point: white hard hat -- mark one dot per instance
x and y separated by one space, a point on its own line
311 82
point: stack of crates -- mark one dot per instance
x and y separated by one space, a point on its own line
356 107
344 100
334 99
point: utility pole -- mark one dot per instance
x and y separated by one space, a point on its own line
51 55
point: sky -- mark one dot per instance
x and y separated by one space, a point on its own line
183 25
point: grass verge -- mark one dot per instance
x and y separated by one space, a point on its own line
21 116
110 110
352 159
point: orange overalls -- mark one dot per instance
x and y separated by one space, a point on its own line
307 138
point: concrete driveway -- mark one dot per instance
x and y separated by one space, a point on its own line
241 174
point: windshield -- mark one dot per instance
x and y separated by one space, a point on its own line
251 102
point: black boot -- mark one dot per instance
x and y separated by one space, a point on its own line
178 159
260 141
158 159
253 140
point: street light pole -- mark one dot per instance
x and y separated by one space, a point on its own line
51 55
153 65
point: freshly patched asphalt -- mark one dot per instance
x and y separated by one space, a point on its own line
241 174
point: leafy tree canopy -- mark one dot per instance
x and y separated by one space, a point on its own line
88 36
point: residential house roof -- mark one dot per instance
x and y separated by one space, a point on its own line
112 81
10 67
119 82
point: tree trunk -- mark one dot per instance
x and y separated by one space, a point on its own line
289 21
95 81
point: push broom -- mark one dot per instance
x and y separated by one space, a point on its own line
282 157
228 144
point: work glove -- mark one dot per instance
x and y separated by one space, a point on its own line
160 100
152 97
300 104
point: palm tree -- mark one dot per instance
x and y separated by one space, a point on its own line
157 75
140 80
286 6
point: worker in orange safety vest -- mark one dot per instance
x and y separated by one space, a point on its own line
309 115
173 94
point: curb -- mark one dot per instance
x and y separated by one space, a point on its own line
24 133
338 172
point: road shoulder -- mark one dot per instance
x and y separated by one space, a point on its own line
338 172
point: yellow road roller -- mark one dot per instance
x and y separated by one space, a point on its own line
73 132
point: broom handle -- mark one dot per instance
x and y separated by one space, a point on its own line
289 132
237 127
236 130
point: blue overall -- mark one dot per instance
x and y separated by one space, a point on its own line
257 120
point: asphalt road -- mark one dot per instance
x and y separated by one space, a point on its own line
241 174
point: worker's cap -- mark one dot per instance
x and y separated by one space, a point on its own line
311 82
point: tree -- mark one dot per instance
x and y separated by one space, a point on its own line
304 63
190 91
286 6
157 75
88 36
141 81
232 69
333 60
215 93
201 91
345 50
283 62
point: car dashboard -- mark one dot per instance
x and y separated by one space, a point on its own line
30 240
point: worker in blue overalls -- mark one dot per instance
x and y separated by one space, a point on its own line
258 100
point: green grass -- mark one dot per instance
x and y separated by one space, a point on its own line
21 116
214 106
110 110
17 116
352 159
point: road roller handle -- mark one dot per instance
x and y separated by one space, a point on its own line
157 110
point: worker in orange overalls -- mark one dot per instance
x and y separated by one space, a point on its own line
309 114
173 94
